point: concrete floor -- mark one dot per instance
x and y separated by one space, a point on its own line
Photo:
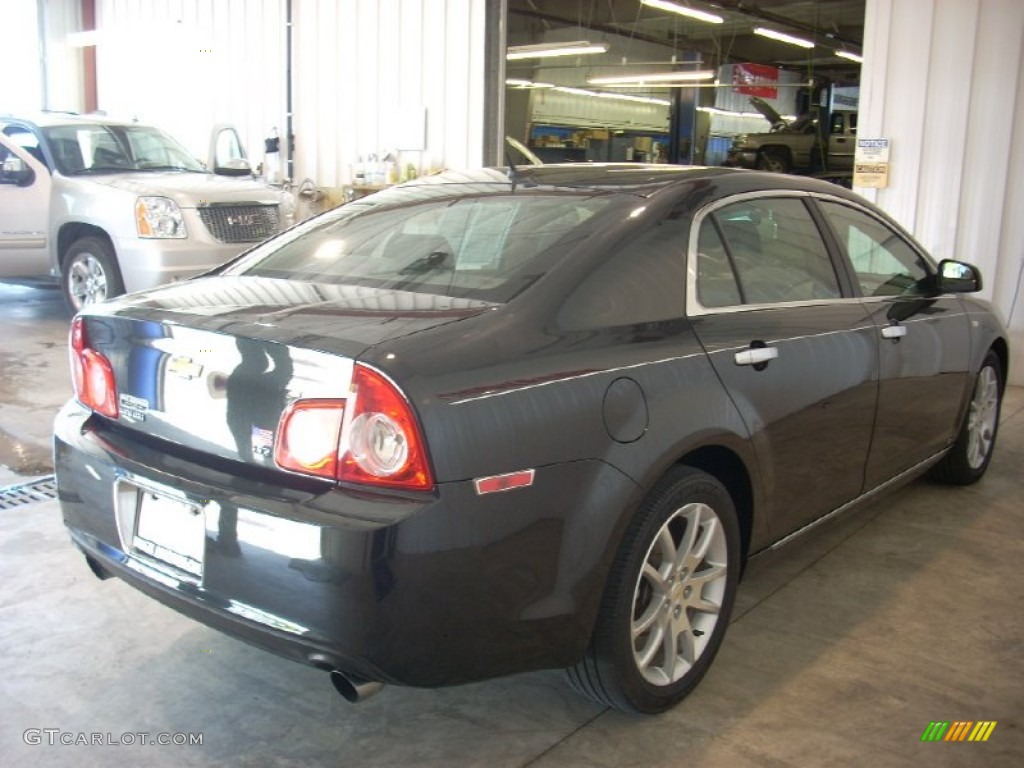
843 648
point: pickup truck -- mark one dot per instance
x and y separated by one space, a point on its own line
109 206
797 147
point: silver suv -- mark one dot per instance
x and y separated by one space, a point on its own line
111 207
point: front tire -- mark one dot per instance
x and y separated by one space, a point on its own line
774 161
668 598
90 273
967 460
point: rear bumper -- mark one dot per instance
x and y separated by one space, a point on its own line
430 591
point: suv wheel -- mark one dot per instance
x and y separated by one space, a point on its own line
774 161
90 273
668 599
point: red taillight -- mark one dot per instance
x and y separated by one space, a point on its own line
92 374
372 438
383 442
308 437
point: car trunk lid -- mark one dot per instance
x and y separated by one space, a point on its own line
212 366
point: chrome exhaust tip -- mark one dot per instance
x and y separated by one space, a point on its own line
352 688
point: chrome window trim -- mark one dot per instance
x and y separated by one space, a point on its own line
694 308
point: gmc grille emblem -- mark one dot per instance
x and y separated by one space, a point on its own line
242 220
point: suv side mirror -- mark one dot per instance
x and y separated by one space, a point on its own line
227 156
15 171
957 277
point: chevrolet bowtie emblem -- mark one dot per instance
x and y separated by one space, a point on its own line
182 366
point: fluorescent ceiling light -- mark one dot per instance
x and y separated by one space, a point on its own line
654 77
616 96
782 37
682 10
850 56
517 83
544 50
585 92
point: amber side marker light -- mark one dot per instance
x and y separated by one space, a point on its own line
507 482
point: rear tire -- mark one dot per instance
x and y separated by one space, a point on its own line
668 599
967 460
90 273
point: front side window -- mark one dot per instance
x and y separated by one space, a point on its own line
763 251
884 263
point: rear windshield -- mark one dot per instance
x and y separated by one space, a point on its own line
489 248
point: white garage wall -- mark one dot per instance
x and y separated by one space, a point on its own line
377 75
944 80
21 88
187 65
368 76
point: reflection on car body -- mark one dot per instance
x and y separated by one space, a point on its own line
491 422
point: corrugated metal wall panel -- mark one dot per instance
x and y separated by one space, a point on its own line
20 52
555 107
365 74
944 82
187 65
368 71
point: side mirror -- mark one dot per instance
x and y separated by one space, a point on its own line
957 277
227 155
236 166
16 172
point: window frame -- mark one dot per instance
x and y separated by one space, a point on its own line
847 289
883 221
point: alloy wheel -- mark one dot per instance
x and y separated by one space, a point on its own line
981 420
679 594
87 280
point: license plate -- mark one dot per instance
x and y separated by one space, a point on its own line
170 530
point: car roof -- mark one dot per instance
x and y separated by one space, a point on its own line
635 179
595 178
48 119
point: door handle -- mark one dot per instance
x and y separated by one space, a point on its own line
756 356
894 331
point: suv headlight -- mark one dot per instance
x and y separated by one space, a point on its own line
159 217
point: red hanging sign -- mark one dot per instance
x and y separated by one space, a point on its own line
755 80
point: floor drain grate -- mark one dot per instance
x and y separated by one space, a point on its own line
43 489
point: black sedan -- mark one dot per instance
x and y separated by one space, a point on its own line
500 421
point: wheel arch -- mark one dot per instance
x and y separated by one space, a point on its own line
1002 351
780 148
726 466
73 231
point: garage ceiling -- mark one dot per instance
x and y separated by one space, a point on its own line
832 24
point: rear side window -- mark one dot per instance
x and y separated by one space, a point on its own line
642 281
488 248
763 251
884 263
